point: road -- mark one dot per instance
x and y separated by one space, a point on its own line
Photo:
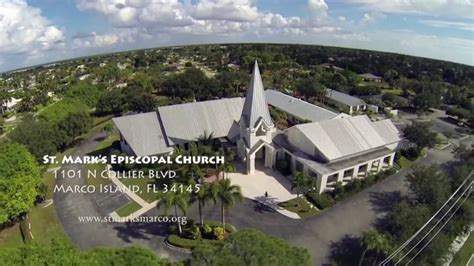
350 217
70 206
318 233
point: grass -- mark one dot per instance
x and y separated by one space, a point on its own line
98 180
464 254
405 163
148 196
45 225
11 237
107 142
128 209
299 206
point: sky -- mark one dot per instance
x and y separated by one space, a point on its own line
40 31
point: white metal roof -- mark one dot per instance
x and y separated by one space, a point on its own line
297 107
343 98
338 138
255 106
187 122
143 133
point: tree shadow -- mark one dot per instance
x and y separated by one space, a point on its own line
346 251
265 204
141 230
383 202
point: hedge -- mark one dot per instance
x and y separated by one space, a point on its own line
321 201
181 242
228 227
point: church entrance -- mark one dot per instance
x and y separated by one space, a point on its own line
260 156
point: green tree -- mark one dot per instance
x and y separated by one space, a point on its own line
251 247
37 136
302 183
72 126
374 241
406 219
111 102
429 185
142 103
2 122
420 134
228 194
85 92
227 166
202 197
309 87
177 200
58 253
20 179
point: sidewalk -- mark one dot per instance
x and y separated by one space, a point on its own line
267 180
145 206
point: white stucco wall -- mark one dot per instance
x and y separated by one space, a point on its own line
299 141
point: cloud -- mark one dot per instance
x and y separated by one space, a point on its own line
372 17
231 10
448 24
452 8
83 40
341 18
24 30
318 8
151 18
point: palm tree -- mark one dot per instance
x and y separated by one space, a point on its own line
302 183
227 166
202 196
375 241
207 141
228 194
176 200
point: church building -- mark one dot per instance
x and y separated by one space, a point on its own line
331 147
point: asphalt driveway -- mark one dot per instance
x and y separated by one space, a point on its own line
317 233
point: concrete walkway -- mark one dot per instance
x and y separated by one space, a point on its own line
273 182
145 206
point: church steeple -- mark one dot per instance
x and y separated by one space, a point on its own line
255 106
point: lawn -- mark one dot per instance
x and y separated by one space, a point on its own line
405 163
45 225
98 180
128 209
464 254
299 206
11 237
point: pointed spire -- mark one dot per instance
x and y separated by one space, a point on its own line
255 106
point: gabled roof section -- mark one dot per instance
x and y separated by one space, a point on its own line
345 137
143 133
187 122
297 107
255 106
344 98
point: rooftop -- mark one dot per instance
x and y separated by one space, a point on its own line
187 122
370 76
344 98
340 138
297 107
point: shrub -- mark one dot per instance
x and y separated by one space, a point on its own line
411 153
206 229
321 201
228 227
42 190
195 232
181 242
218 233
